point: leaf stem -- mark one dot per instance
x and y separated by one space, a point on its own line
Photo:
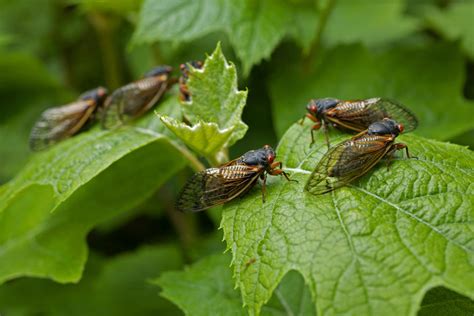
218 159
105 27
314 50
190 157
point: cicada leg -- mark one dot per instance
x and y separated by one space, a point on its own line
263 176
275 172
391 152
315 127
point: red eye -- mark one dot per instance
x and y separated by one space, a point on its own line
270 158
400 128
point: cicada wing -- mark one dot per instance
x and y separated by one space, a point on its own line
397 112
216 186
131 101
353 115
357 115
59 123
345 162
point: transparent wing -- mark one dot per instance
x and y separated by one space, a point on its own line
59 123
346 162
216 186
358 115
132 100
395 111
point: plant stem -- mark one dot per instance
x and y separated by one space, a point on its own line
220 158
314 50
192 159
110 59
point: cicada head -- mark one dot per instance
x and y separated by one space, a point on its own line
263 157
385 127
184 68
318 107
158 71
98 95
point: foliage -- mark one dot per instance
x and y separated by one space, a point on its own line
121 285
98 210
368 226
214 114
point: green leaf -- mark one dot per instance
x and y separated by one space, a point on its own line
206 288
441 301
46 211
215 108
34 33
253 27
215 95
206 139
26 88
454 23
214 294
118 286
124 7
256 30
372 247
368 22
410 75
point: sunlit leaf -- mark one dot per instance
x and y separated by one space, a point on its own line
215 108
253 27
206 139
373 247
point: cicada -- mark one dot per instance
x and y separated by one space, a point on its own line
184 94
354 157
136 98
216 186
58 123
356 115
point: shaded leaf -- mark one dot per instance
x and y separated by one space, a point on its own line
206 288
368 22
26 88
411 76
47 210
373 247
118 286
124 7
454 23
441 301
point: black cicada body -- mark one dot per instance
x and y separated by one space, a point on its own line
356 115
354 157
136 98
216 186
184 94
58 123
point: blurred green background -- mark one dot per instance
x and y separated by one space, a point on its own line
418 51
